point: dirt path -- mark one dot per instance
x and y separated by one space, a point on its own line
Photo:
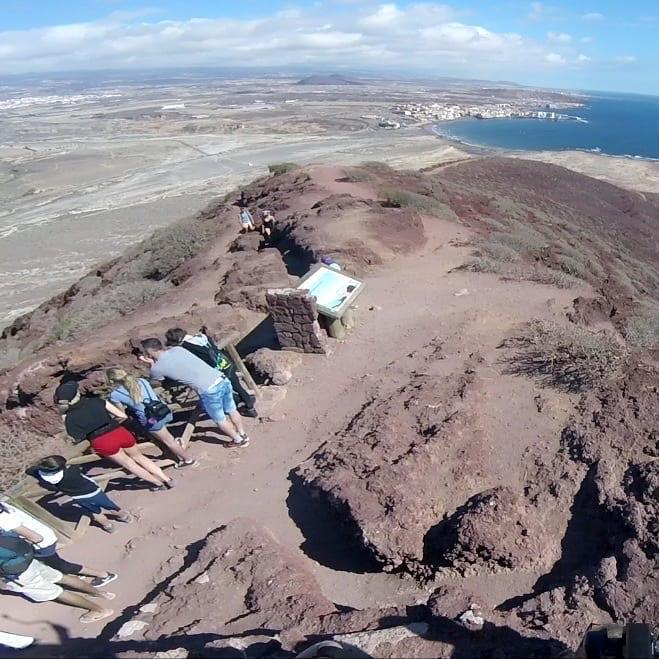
405 305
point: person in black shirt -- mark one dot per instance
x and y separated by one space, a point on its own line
55 475
93 419
202 346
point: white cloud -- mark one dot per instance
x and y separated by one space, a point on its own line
583 59
586 39
555 58
626 59
423 36
559 37
593 16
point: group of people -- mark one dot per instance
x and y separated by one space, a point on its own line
29 563
247 224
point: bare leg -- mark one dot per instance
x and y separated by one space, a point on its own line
237 421
126 461
121 515
147 464
228 429
74 583
95 612
172 445
100 519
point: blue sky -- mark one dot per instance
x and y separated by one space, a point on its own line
584 44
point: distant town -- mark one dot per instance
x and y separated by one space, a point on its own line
429 112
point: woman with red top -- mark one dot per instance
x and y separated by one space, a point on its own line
93 419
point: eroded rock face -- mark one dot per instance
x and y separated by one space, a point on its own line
492 530
241 571
392 472
247 284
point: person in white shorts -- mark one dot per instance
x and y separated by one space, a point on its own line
41 583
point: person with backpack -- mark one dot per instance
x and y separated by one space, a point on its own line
55 475
21 572
149 411
44 543
205 348
213 388
93 419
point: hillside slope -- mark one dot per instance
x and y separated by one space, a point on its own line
435 450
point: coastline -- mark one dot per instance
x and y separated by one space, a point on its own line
636 173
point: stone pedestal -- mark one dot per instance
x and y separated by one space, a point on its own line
295 318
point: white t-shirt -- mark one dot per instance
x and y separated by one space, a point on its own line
12 518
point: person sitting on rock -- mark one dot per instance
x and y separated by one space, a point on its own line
213 388
21 573
55 475
246 221
93 419
44 543
148 410
201 345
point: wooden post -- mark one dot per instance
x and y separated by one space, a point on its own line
64 529
190 426
233 353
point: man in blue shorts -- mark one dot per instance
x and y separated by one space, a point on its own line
213 388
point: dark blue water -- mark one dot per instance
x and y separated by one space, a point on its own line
621 125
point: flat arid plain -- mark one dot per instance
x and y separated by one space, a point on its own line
90 167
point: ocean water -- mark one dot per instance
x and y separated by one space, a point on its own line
618 124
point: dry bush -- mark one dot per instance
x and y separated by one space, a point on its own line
494 249
282 168
10 357
170 247
397 198
521 272
357 176
570 358
106 306
18 449
573 267
642 328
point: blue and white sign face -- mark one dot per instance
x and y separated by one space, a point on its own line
333 290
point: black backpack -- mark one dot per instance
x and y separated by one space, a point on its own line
154 409
16 555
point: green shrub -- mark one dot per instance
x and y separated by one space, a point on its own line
282 168
105 307
397 198
642 327
568 357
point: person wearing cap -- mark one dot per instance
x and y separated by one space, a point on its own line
96 420
55 475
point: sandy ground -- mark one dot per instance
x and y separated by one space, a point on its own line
405 305
633 174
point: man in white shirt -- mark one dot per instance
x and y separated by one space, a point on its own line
44 541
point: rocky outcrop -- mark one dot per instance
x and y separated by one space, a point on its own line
493 530
391 473
246 283
295 320
273 366
240 572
